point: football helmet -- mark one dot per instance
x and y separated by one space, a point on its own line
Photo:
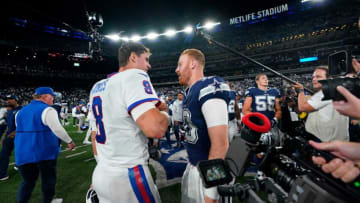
91 196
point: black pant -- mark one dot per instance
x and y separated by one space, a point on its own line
30 173
7 148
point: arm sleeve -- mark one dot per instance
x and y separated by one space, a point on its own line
215 112
50 118
140 109
139 91
316 102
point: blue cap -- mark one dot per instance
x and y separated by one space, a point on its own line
44 90
11 96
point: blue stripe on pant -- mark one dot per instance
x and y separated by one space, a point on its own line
138 181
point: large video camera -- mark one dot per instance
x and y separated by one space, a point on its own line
286 173
339 65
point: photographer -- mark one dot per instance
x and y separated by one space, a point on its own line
346 170
323 121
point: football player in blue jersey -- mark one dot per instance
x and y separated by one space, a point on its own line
234 113
263 100
205 117
169 102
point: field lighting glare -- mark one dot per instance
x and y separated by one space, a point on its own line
126 39
170 33
114 37
210 25
135 38
152 35
188 29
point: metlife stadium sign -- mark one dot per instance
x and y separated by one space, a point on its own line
259 14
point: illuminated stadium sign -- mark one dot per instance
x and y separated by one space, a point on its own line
260 14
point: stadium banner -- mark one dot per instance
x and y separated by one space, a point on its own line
259 14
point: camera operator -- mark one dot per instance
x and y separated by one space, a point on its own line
323 121
346 170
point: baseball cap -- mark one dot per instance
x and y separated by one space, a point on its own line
44 90
11 96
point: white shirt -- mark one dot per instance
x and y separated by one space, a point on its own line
326 123
122 98
177 110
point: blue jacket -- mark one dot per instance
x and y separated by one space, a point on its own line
34 141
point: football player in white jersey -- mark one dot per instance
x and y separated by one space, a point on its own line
127 111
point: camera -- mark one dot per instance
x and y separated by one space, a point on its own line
340 65
330 92
286 173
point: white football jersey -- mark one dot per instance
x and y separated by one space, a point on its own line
120 141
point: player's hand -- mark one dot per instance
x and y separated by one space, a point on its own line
298 86
71 146
351 107
162 106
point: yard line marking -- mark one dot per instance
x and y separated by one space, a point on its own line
76 154
87 160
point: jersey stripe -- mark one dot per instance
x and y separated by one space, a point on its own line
135 104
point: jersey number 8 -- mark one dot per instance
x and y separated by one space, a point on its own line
98 114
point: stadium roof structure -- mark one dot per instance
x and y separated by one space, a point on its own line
134 16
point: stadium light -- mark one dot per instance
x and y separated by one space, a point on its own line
170 33
152 35
126 39
210 25
114 37
188 29
135 38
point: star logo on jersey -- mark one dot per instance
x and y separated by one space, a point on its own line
216 84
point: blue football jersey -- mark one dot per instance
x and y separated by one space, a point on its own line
196 132
263 101
231 107
241 104
169 104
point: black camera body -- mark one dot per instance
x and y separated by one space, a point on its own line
339 65
287 172
330 92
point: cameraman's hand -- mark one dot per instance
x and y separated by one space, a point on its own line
346 170
298 86
351 107
356 65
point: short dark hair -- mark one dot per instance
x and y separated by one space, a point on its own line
127 48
